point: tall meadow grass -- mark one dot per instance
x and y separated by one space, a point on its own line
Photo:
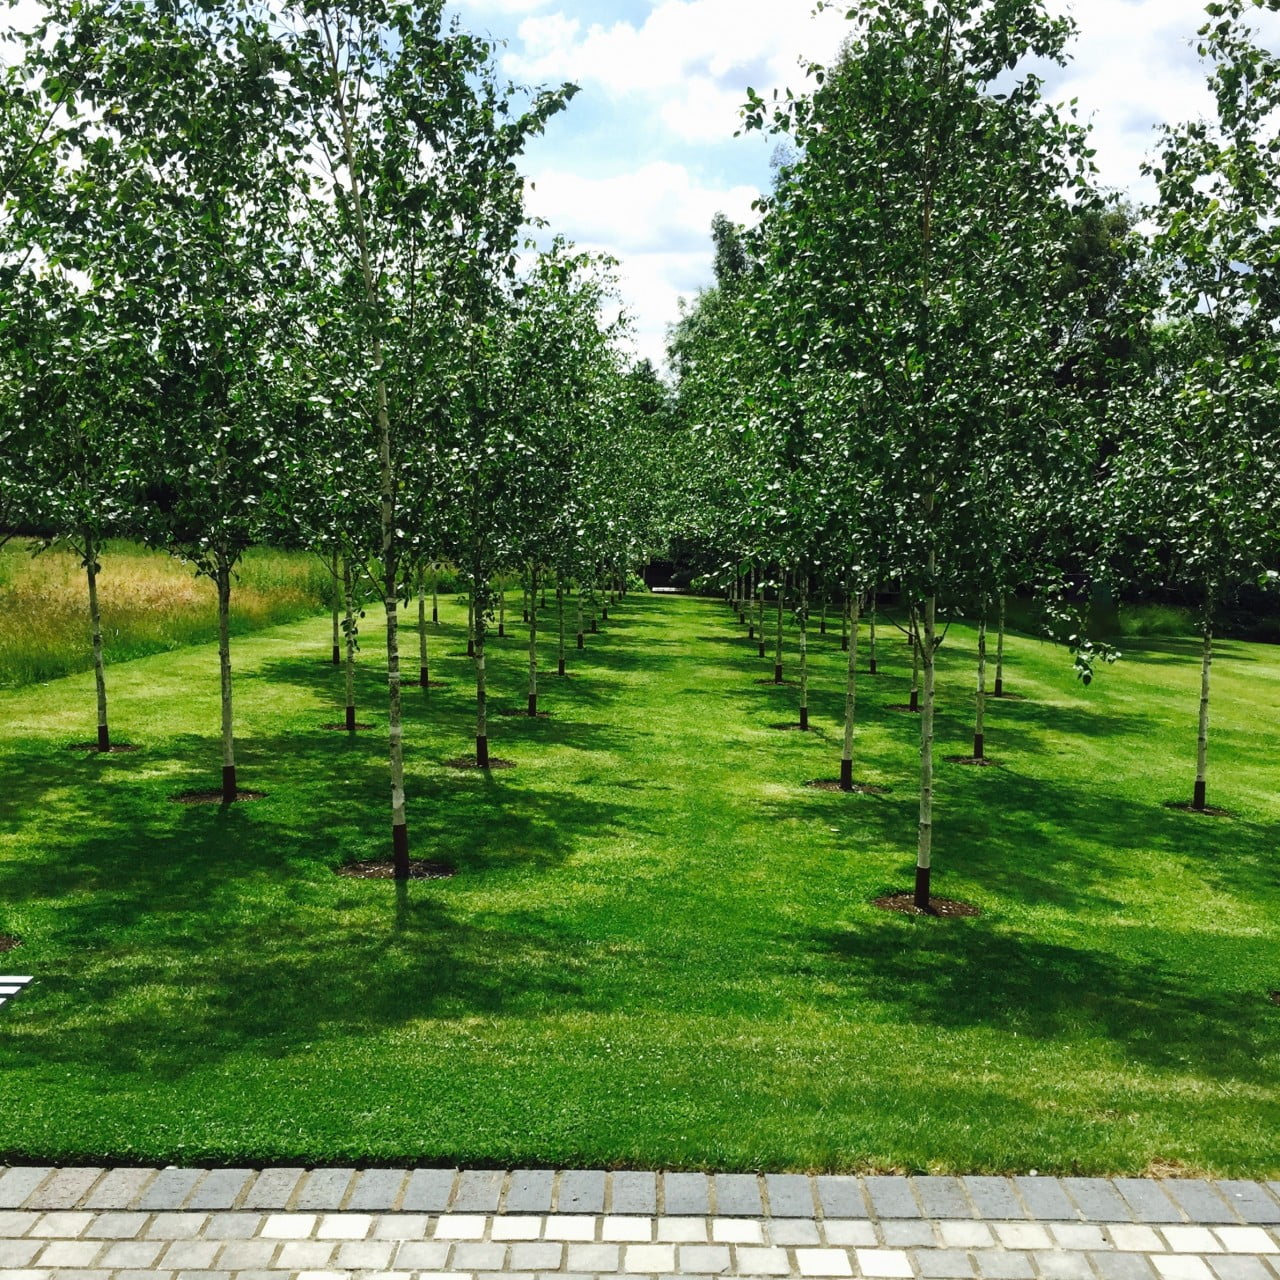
150 603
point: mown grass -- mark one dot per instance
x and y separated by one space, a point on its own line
660 948
150 603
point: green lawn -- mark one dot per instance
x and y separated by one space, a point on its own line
660 948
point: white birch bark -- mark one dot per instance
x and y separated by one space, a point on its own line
223 578
337 609
560 610
980 713
348 589
1202 740
533 649
928 652
424 669
777 652
999 689
850 695
95 625
804 651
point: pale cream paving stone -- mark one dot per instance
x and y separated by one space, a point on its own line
909 1233
27 1273
460 1226
536 1256
891 1263
422 1255
626 1230
762 1262
474 1255
593 1258
289 1226
823 1262
578 1227
649 1257
737 1231
344 1226
965 1235
1191 1240
681 1230
364 1255
305 1255
1181 1266
16 1222
232 1226
793 1231
62 1224
149 1274
1022 1235
1135 1239
1058 1265
704 1259
82 1273
70 1253
324 1275
204 1275
389 1275
134 1254
517 1226
1080 1236
247 1255
18 1253
176 1226
850 1232
1246 1240
401 1226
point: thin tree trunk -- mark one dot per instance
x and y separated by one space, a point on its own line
337 608
349 592
471 622
999 689
850 698
95 624
223 573
915 658
1202 742
850 608
560 610
482 692
760 616
777 652
502 614
871 657
804 651
751 603
435 598
524 596
577 598
927 648
595 608
533 649
980 715
424 667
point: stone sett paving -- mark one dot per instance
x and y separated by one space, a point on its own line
400 1224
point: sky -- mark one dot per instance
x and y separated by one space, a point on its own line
645 155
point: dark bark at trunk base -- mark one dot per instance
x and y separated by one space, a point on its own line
595 630
922 888
533 704
582 643
229 787
871 667
978 745
777 673
1198 800
400 851
804 718
751 631
560 667
337 655
471 648
999 689
844 644
104 738
502 631
351 719
846 775
424 678
482 752
604 615
435 617
915 699
762 646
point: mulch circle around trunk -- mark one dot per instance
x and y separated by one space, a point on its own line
431 684
778 683
978 762
9 943
115 749
858 788
358 727
1008 697
905 904
790 724
386 870
1208 811
523 712
903 706
215 797
470 762
1273 996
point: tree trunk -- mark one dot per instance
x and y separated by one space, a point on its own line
560 610
223 578
95 625
1202 742
850 609
577 599
435 598
822 625
999 689
348 588
502 614
777 652
850 698
471 622
804 651
482 694
337 608
533 649
760 616
871 656
980 714
424 667
751 603
928 651
915 658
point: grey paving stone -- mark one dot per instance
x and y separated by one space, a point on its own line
65 1189
1004 1264
471 1255
479 1191
944 1263
1146 1197
169 1189
233 1226
323 1190
635 1193
536 1256
841 1197
790 1195
1063 1266
219 1189
581 1191
943 1198
377 1190
794 1231
891 1197
1099 1201
1252 1201
738 1195
272 1188
908 1233
1046 1199
118 1189
1123 1266
16 1185
428 1190
1199 1201
1239 1267
117 1225
685 1195
529 1191
994 1198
